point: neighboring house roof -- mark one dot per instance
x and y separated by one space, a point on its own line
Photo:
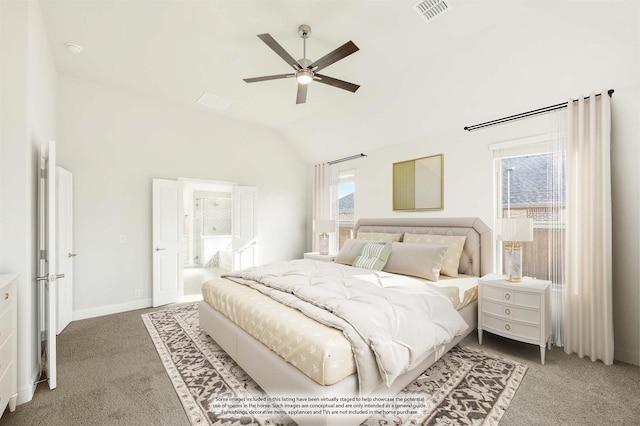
345 204
534 180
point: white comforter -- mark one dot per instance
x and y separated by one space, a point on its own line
393 322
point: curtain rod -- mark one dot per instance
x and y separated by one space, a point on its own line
340 160
525 114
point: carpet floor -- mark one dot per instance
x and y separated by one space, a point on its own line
110 374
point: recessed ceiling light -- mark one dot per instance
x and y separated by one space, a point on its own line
73 48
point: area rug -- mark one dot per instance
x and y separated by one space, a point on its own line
465 387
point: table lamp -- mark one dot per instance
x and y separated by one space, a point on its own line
514 231
323 227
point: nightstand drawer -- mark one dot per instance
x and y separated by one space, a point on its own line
511 328
7 295
6 357
512 297
6 324
510 312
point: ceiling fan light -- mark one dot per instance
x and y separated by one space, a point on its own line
304 76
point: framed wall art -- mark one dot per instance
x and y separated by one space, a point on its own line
419 184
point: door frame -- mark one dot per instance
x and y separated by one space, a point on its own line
46 255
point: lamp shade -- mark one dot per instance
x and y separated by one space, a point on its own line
515 229
324 225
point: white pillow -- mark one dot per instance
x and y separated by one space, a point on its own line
418 260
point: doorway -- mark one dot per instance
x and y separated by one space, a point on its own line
200 229
207 232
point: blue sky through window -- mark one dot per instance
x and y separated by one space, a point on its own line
345 189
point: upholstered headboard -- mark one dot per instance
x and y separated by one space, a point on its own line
476 258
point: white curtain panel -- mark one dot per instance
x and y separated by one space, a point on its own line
325 200
588 322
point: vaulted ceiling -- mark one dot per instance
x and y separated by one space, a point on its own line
417 78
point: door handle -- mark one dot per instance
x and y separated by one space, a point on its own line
50 278
72 255
158 248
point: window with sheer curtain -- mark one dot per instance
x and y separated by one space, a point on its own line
346 205
563 182
530 183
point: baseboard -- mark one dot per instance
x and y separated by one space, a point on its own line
111 309
630 357
26 391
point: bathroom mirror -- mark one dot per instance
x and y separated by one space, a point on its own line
418 184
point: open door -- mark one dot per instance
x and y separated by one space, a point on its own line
64 252
47 274
244 239
168 284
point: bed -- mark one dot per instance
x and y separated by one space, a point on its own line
279 377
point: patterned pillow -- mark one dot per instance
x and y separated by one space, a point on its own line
454 244
379 237
373 256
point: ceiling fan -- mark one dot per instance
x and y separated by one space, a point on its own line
305 70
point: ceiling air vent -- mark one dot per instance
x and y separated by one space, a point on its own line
213 101
431 9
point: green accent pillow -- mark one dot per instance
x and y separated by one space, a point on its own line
373 256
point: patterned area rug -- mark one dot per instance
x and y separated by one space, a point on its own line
465 387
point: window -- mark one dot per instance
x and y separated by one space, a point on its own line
346 198
533 187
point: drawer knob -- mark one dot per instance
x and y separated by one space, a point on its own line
507 311
507 327
507 296
6 296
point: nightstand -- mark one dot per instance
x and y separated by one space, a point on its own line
519 311
317 256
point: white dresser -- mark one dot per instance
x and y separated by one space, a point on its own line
8 342
519 311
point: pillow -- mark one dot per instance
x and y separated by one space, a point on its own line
373 256
379 237
418 260
451 260
349 251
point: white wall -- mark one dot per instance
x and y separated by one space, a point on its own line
598 62
27 121
115 142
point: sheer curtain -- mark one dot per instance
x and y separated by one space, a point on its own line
588 300
325 200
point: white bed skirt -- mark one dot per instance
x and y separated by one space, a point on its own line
279 378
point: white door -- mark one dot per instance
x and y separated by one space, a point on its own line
168 284
47 274
243 225
64 253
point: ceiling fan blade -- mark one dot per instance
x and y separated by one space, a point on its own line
341 52
340 84
275 46
268 77
302 93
